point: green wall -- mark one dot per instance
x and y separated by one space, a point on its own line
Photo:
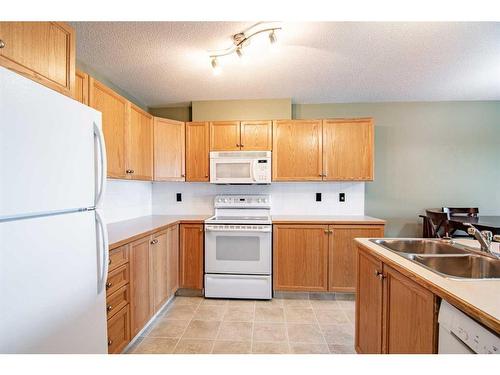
427 154
180 113
255 109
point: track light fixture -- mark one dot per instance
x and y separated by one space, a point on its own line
241 40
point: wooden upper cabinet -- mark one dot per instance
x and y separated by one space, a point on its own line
42 51
139 161
369 306
225 136
141 284
300 257
342 254
256 135
297 150
169 143
191 256
114 109
197 151
410 319
348 149
81 92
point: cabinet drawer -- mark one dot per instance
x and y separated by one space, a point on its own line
118 300
118 257
117 278
119 330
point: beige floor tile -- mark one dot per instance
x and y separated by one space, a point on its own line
347 305
270 348
193 346
331 316
351 315
155 345
269 314
290 302
180 312
201 329
232 347
341 349
305 333
324 305
213 302
168 328
303 348
275 302
235 331
209 313
193 301
299 315
340 334
239 314
241 303
269 332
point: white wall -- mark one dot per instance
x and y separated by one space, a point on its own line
286 198
126 199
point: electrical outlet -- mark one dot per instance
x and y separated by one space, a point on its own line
341 197
178 197
318 197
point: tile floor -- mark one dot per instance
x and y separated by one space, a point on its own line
196 325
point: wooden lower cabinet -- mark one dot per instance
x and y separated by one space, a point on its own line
191 256
119 331
300 257
394 314
159 269
141 284
342 254
172 260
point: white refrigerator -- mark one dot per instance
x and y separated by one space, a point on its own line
53 242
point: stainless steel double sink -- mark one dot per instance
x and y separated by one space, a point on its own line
446 258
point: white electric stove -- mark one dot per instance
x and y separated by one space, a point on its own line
238 248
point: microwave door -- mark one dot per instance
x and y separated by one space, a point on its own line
232 171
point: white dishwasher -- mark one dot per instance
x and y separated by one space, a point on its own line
460 334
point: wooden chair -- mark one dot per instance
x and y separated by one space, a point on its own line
462 211
438 224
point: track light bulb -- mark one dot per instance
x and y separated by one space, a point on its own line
215 66
239 52
273 38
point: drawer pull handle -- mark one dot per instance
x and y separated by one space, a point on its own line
2 44
110 342
109 285
109 262
109 308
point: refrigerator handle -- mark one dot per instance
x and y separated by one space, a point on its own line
103 251
101 166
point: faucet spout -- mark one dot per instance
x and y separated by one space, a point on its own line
483 237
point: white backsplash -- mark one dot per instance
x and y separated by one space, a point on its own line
126 199
286 198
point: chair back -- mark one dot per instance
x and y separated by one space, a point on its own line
462 211
438 224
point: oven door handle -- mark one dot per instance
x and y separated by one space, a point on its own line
243 230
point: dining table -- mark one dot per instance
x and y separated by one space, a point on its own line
491 223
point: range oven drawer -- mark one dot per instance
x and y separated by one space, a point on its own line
238 286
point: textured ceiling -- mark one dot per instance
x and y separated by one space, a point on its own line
167 62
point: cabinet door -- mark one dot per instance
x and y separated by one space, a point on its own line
225 136
139 144
348 149
297 150
140 284
159 271
42 51
410 316
119 331
82 87
169 150
300 257
114 119
342 254
191 256
256 135
172 260
197 151
368 304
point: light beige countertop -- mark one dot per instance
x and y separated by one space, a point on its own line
478 298
326 219
122 232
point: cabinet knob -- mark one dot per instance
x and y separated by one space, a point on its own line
109 285
242 145
110 342
183 175
379 274
237 145
109 308
109 262
206 176
2 44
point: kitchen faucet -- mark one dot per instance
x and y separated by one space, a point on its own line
484 238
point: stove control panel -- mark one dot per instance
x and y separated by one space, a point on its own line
243 201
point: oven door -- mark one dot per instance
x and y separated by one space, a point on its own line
232 171
238 249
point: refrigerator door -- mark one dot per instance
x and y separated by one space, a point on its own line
51 287
47 149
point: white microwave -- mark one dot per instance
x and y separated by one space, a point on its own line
240 167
